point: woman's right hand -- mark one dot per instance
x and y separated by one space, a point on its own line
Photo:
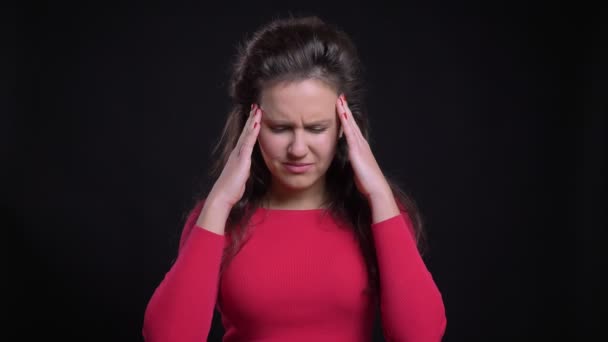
230 186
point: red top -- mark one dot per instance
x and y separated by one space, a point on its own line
299 277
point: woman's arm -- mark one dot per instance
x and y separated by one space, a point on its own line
411 305
181 308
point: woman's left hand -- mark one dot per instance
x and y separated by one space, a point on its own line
368 177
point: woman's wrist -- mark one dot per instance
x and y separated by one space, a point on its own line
383 206
214 215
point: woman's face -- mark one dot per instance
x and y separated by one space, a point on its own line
299 133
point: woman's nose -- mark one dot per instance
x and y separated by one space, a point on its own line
297 147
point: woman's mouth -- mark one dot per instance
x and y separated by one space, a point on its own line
297 167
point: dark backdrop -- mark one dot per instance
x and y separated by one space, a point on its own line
492 117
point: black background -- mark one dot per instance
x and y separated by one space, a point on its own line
491 116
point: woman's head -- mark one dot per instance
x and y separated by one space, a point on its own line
299 127
295 69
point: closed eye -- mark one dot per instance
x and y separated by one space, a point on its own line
318 129
279 129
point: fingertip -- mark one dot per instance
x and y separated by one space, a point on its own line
338 112
253 109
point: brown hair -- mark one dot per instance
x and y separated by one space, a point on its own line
293 49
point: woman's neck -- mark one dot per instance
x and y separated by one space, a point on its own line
294 200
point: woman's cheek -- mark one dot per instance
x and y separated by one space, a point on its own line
269 145
327 141
263 141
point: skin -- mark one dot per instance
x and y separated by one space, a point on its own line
301 103
299 125
296 108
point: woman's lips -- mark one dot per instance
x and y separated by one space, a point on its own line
297 168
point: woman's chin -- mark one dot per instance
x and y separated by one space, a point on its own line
296 185
296 182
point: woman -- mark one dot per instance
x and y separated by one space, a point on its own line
301 236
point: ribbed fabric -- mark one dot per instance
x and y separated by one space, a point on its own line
300 277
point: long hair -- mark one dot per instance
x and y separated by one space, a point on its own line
292 49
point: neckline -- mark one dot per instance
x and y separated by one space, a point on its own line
298 214
291 210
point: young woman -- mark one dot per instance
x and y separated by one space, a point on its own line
301 237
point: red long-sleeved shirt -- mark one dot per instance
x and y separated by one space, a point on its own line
300 277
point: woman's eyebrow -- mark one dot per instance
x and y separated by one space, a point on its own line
285 122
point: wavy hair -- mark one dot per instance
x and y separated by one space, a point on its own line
288 50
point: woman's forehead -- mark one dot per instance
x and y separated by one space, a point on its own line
308 100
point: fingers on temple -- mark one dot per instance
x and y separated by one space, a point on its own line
246 127
251 131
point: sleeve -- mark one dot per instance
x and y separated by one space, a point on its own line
181 307
411 306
